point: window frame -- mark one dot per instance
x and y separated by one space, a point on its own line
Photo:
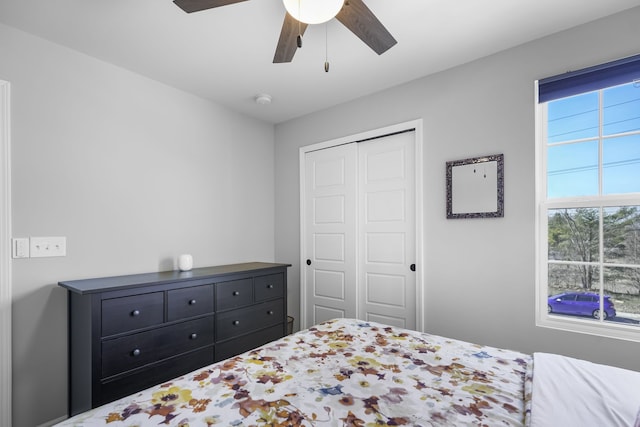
543 205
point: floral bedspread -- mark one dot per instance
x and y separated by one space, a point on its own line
342 372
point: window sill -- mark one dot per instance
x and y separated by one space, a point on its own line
606 329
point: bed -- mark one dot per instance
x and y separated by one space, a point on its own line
348 372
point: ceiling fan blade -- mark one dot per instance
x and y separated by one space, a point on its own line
198 5
358 18
288 42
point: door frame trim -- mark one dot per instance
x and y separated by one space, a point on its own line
5 256
419 203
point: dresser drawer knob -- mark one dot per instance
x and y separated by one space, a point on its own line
236 293
270 312
135 313
136 352
192 302
236 322
269 286
193 336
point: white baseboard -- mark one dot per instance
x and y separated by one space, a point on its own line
53 422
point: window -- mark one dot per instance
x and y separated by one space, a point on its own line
588 200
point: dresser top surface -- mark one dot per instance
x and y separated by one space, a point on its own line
86 286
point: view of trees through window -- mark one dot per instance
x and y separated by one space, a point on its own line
593 205
574 237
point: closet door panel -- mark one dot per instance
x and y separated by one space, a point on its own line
330 233
386 221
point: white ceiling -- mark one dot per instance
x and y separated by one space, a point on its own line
225 54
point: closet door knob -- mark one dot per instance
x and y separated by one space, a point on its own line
413 267
193 336
136 352
236 322
270 312
308 262
236 293
269 286
135 313
192 302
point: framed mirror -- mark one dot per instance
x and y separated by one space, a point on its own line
475 187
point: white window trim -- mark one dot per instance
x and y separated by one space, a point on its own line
543 319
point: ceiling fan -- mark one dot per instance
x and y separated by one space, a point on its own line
353 14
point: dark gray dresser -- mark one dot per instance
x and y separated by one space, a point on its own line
128 333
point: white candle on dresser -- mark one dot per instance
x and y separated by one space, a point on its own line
185 262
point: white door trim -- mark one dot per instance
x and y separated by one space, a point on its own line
5 257
413 124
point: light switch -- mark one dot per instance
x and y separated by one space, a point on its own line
20 247
48 246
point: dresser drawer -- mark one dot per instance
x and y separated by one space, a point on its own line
235 293
248 342
162 371
268 287
132 312
189 302
239 322
132 351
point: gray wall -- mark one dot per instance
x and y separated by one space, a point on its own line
479 274
133 173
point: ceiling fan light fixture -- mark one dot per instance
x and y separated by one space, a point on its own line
313 11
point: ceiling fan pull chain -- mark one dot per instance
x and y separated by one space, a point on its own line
326 47
299 38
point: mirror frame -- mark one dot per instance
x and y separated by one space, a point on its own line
499 212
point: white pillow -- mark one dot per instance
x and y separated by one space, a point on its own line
571 392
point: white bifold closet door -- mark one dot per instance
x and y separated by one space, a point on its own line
359 232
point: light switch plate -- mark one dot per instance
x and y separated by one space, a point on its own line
20 247
48 246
